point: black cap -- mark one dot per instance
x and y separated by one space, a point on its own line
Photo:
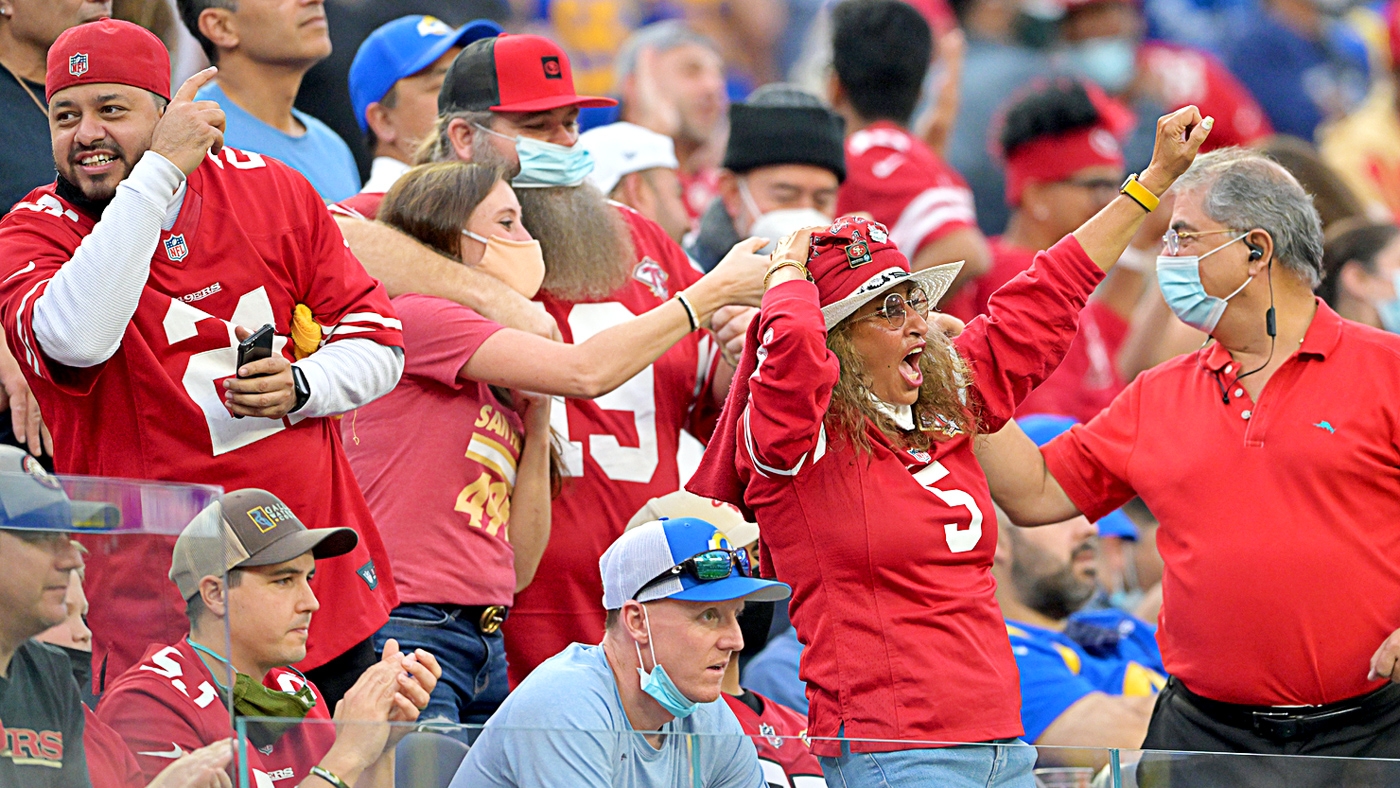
762 136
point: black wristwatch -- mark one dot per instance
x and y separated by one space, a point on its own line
303 389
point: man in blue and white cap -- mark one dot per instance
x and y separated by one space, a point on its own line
673 590
394 83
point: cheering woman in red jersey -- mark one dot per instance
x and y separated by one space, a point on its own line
850 433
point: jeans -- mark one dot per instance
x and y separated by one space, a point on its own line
969 766
473 679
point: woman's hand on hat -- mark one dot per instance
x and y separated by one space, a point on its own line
189 129
1179 138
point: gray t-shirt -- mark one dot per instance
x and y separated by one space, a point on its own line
564 725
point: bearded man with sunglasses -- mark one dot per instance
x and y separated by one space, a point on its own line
673 591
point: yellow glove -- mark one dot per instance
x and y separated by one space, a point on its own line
306 332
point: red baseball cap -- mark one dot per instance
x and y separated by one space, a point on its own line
108 50
853 261
511 73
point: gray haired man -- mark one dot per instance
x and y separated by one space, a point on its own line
1271 458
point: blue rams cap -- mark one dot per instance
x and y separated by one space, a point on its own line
32 499
402 48
1041 428
652 549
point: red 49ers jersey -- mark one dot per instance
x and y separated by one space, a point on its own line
780 736
252 241
169 705
619 451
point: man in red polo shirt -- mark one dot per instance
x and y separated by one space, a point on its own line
1272 460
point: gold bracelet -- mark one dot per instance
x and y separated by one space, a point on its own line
328 776
774 268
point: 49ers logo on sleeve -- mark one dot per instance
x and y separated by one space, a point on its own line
650 273
175 247
78 64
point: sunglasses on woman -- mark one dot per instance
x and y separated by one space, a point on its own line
896 308
706 567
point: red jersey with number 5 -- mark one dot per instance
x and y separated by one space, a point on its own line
889 553
252 240
619 451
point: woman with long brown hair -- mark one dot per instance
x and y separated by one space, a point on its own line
850 434
455 461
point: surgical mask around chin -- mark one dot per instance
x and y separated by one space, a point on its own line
658 684
1389 310
774 225
1111 62
1180 281
520 264
545 164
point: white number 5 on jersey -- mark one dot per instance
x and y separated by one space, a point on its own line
959 541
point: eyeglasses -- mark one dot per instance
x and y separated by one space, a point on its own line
706 567
893 311
1102 187
1172 240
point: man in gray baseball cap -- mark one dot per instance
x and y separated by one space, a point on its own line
244 567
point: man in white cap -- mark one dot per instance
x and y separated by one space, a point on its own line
673 590
638 168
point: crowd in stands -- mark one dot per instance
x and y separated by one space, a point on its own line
930 392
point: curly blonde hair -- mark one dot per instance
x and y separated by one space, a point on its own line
941 413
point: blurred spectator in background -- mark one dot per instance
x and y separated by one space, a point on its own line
1332 196
671 80
782 167
1302 63
1361 275
1364 146
996 65
324 92
1060 145
146 264
1088 678
1104 44
243 567
73 636
881 50
777 731
566 724
27 30
638 168
394 84
262 50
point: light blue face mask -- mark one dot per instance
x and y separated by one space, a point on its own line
659 685
1109 62
1389 310
545 164
1180 281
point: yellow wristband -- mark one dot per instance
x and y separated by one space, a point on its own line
1140 194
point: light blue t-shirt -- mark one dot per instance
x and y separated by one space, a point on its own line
564 726
319 154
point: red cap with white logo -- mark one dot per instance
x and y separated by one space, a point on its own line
108 51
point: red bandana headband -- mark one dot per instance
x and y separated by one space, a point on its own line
1056 158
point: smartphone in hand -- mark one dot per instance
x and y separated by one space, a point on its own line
256 347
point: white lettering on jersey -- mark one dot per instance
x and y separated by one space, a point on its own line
49 204
281 774
261 779
167 667
253 162
865 139
202 294
959 541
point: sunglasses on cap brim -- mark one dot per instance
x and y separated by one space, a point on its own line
706 567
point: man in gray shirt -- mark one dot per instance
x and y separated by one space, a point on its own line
619 714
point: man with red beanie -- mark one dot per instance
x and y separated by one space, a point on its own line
128 286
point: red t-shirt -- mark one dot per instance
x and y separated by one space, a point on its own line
109 761
889 554
252 241
780 736
1088 379
1277 517
1190 76
446 530
168 705
619 451
903 184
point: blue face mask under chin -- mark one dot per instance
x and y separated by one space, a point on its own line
659 685
1389 310
545 164
1180 281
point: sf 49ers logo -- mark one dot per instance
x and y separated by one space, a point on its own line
175 247
78 64
650 273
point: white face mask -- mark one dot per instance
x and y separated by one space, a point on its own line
774 225
520 264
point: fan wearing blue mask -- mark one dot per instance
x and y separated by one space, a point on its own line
673 590
1361 275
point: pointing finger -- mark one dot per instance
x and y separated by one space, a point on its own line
194 83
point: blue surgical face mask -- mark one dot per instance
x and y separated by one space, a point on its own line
659 685
1389 310
1180 280
545 164
1109 62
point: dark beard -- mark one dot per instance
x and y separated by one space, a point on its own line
72 194
587 246
1054 596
